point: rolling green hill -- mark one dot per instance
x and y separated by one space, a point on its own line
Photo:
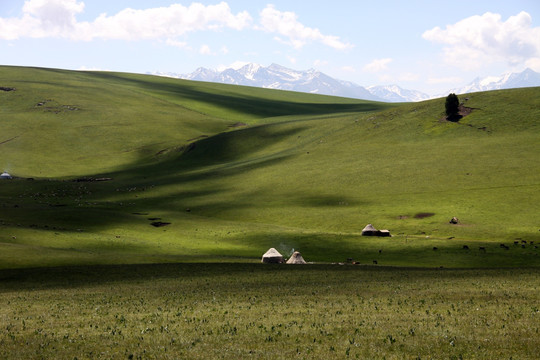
234 170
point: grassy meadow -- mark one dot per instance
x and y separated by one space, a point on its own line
140 208
236 170
240 311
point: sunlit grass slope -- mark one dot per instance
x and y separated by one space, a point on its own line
304 172
63 123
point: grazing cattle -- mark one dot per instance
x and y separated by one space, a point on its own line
523 241
523 246
435 248
454 220
482 248
516 242
375 262
380 251
502 245
465 247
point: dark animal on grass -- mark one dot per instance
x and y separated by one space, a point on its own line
380 251
523 241
454 220
516 242
465 247
482 248
375 262
523 246
435 248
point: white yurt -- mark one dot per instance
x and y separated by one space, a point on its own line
296 258
369 230
272 256
5 175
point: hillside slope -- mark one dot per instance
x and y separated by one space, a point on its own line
306 173
66 123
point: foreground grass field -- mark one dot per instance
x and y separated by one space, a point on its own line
240 311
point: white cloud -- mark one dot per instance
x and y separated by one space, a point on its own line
286 24
291 59
235 65
445 80
408 76
42 18
175 43
318 63
205 50
57 18
534 64
349 69
479 40
377 65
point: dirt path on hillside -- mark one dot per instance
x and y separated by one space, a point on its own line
462 112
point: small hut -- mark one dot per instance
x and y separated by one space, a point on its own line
384 233
5 175
272 256
296 258
369 230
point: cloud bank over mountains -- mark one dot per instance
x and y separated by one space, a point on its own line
349 40
478 40
58 19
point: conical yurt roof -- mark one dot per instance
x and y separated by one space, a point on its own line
272 253
5 175
272 256
369 227
296 258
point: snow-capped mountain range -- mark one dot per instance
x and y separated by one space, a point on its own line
525 78
313 81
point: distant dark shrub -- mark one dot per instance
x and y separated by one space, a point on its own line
452 105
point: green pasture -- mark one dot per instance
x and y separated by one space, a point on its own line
241 311
236 170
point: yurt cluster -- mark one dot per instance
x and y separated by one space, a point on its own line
272 256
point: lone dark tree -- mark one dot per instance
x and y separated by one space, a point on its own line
452 106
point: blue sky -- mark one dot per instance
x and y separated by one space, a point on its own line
426 45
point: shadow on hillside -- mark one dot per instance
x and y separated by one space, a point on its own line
251 105
194 180
233 274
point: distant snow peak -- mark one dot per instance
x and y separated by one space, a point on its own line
393 93
313 81
249 70
526 78
280 77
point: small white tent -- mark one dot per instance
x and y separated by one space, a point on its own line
369 230
296 258
272 256
5 175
